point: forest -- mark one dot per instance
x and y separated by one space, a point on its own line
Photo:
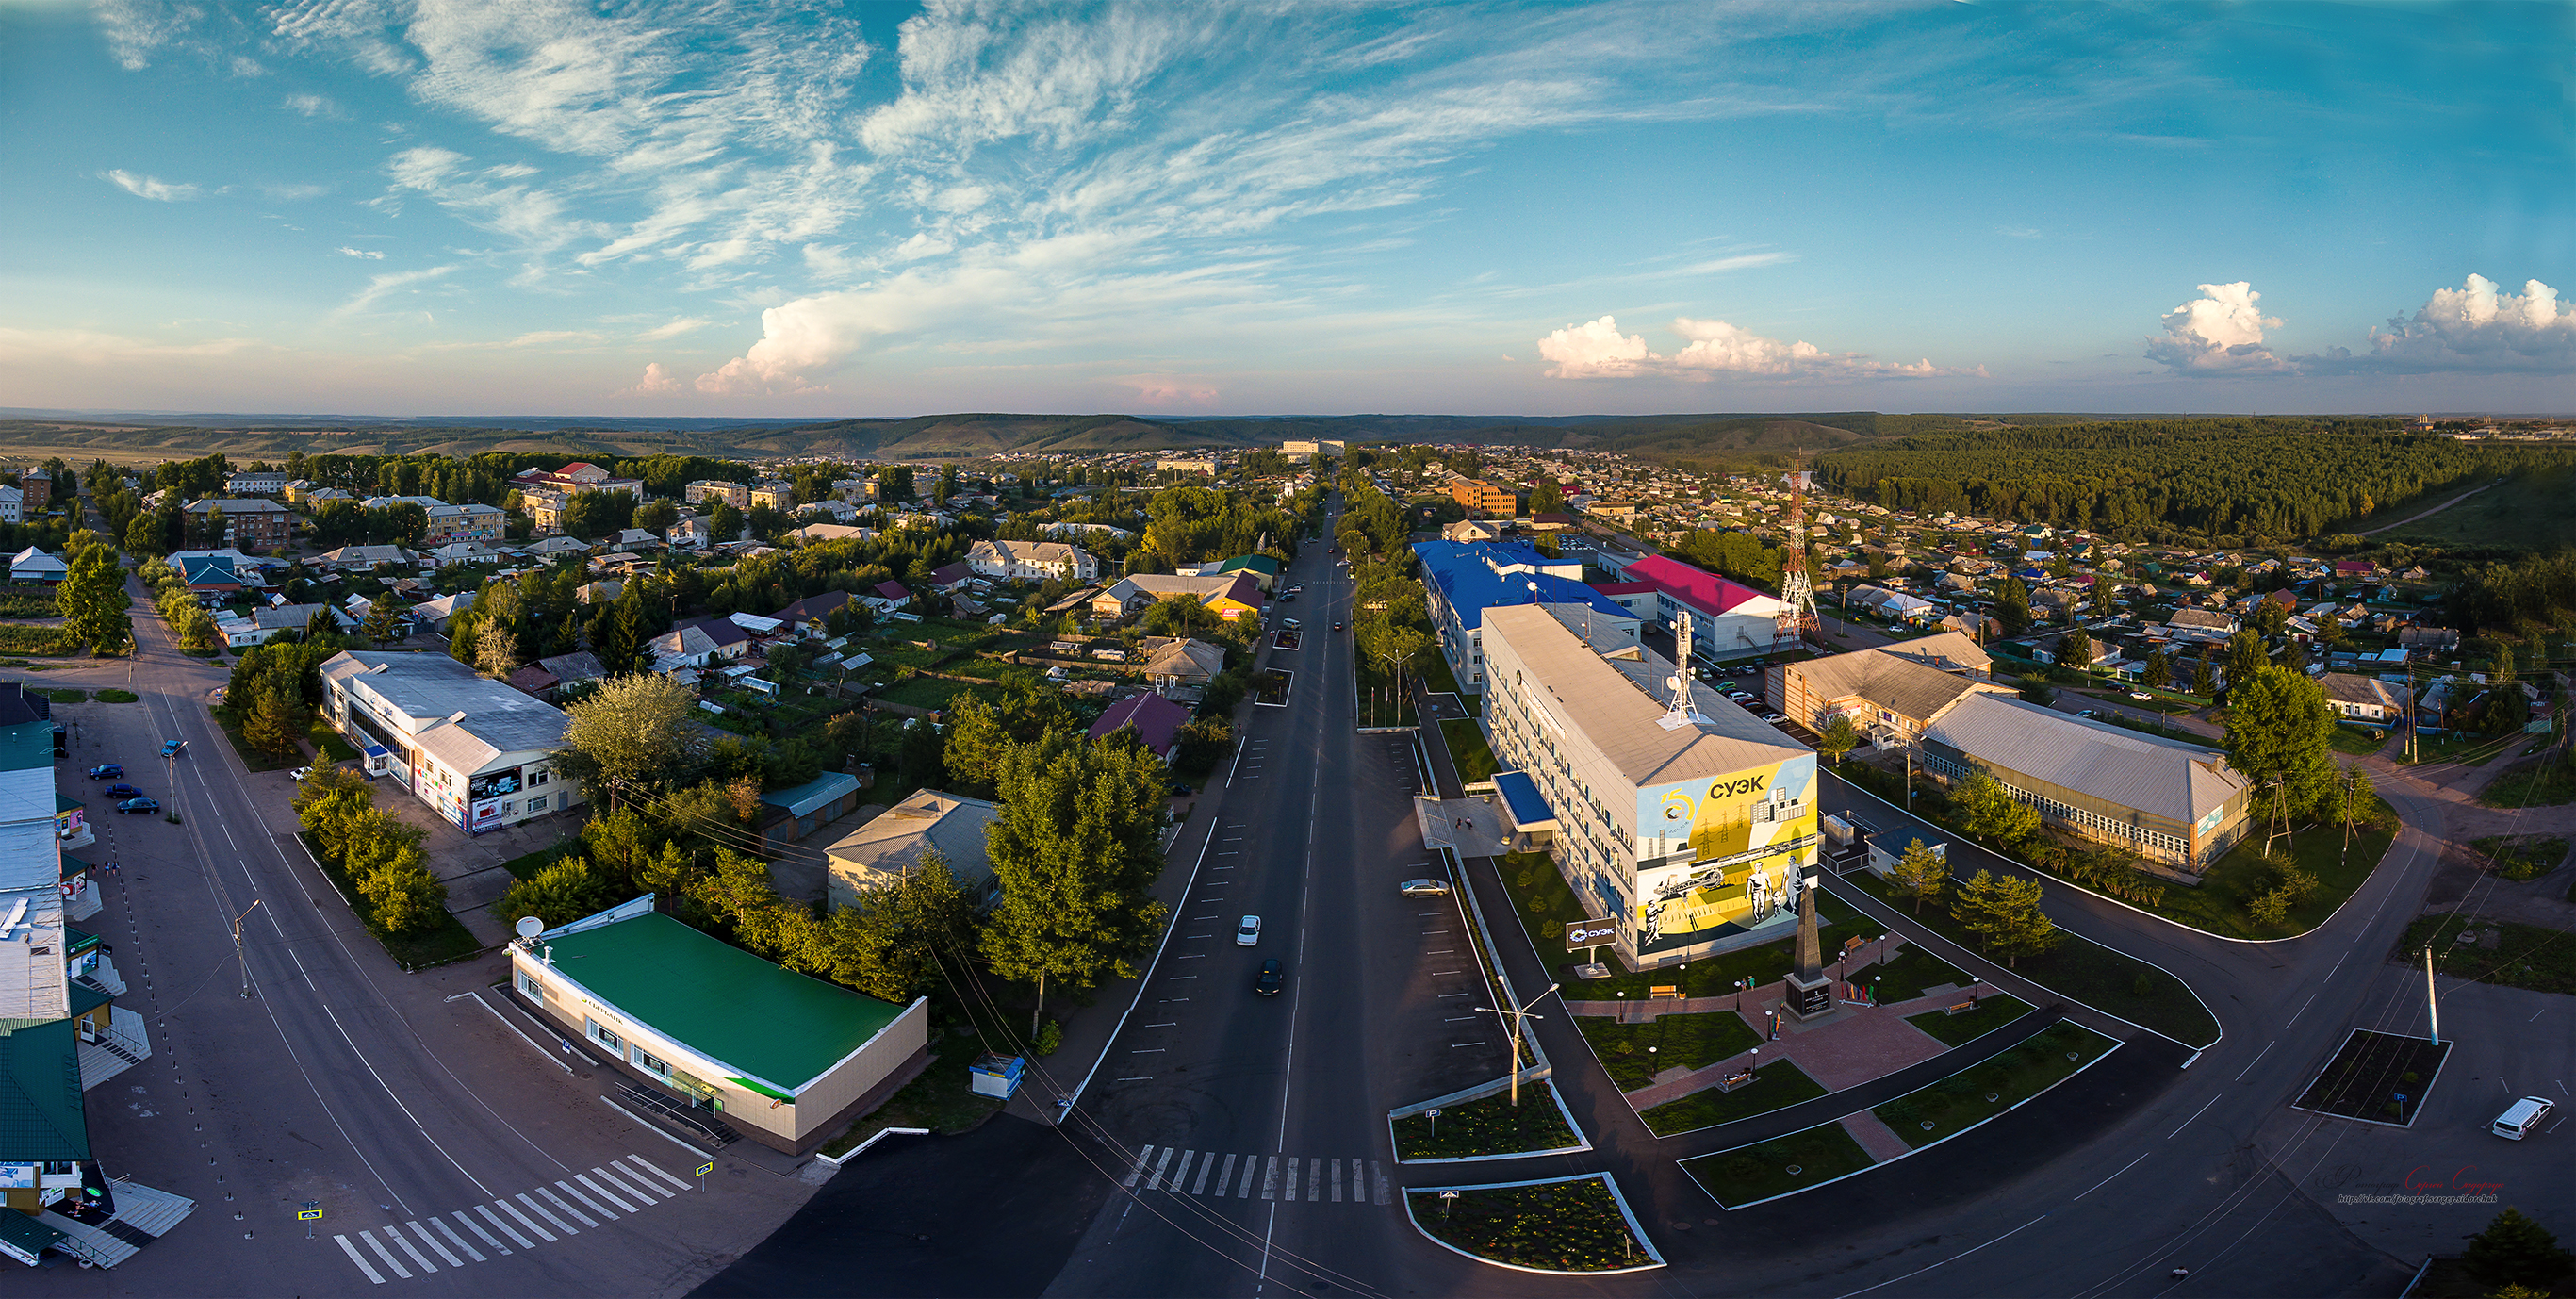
2173 480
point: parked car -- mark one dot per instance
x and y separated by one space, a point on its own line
1180 787
122 791
2521 1118
1424 888
1337 626
1291 624
106 771
1776 719
2142 696
1272 978
171 748
138 805
1249 932
299 774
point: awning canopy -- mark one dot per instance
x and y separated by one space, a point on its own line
1522 802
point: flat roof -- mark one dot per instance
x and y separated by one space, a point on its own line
1611 702
769 1023
1528 808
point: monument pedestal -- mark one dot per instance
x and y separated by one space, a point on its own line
1807 998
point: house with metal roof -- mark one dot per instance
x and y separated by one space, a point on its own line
2169 801
34 565
1156 720
1889 697
1729 619
1668 809
897 839
476 750
779 1057
788 815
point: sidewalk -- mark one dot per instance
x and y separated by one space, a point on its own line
1854 1047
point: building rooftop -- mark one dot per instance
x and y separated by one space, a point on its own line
2162 777
1702 589
929 821
1620 705
463 718
41 1116
815 793
1895 682
775 1028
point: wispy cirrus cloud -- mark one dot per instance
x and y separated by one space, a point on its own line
151 187
380 287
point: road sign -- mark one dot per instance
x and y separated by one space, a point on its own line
1582 934
308 1215
704 1169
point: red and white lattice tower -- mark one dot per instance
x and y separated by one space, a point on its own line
1797 587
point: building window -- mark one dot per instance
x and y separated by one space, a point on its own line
539 777
646 1061
510 807
528 984
603 1036
537 804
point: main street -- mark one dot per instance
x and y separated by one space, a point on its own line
448 1151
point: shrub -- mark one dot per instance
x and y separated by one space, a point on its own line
2144 985
1050 1037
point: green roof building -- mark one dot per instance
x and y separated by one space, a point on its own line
785 1058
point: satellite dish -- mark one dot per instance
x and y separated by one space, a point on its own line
1673 682
530 926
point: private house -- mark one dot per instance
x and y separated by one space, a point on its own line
2203 626
2171 802
209 575
1036 561
362 559
434 614
33 565
812 532
699 644
1180 668
1471 530
2363 699
887 596
547 678
1240 599
781 1058
478 752
2427 642
897 839
264 625
949 579
1156 720
808 617
13 505
551 548
1263 569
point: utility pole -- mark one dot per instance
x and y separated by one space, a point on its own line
1513 1017
237 944
2432 1007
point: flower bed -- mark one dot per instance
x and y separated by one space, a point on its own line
1573 1225
1490 1125
2380 1077
1690 1041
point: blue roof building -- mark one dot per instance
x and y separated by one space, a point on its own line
1462 579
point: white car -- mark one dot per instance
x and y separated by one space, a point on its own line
299 774
1290 623
1249 932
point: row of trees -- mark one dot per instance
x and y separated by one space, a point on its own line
2003 911
379 852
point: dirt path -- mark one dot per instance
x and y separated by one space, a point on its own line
2433 511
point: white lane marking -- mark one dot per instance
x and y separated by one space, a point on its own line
2258 1059
656 1169
386 1254
1226 1179
450 1233
497 1221
1250 1162
2187 1122
545 1213
434 1243
586 1202
363 1266
2107 1180
488 1238
624 1185
398 1238
1156 1181
1269 1179
1183 1174
1380 1173
601 1192
1207 1166
1337 1181
1314 1176
559 1202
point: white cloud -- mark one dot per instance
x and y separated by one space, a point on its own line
1597 350
674 329
657 382
2218 333
2475 329
311 105
380 286
1169 390
147 187
369 254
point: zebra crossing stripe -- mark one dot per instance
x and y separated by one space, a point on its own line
1380 1173
602 1192
1291 1196
1207 1166
1337 1181
450 1233
1314 1174
542 1212
363 1265
656 1169
1270 1179
488 1239
586 1203
623 1186
386 1254
435 1244
409 1248
560 1203
1156 1180
529 1222
1143 1153
1183 1175
1249 1163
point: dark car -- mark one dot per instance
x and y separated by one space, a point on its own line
1272 978
1337 626
106 771
1180 787
138 805
122 791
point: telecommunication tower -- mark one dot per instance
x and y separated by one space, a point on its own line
1797 587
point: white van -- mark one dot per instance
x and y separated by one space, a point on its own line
2521 1118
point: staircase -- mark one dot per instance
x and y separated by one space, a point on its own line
143 1209
104 977
142 1215
105 1053
693 1124
87 1243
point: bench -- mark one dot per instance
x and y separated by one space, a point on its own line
1961 1008
1740 1078
1664 992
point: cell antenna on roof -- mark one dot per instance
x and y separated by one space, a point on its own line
1682 714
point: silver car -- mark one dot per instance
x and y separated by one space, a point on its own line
1424 888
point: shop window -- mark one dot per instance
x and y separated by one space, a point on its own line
602 1035
528 984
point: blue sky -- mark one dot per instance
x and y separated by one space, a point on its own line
780 209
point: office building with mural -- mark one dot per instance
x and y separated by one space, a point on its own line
479 752
1669 810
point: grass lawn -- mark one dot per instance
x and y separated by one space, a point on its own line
934 692
2526 512
1567 1226
2525 956
1544 903
527 864
251 757
1635 1053
2518 786
1963 1100
328 743
2088 972
1741 1176
2218 905
2474 750
1491 1125
941 1099
2370 1072
1467 748
2356 741
2154 703
67 696
2522 857
1906 977
1777 1085
115 696
1994 1010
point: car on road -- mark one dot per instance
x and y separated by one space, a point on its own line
1775 719
1249 932
2142 696
170 748
1337 626
106 771
122 791
1424 888
2519 1119
138 805
1272 978
1290 623
1298 588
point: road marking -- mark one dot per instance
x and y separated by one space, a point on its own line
1270 1178
2303 1009
2107 1180
398 1238
1379 1172
486 1211
1194 956
1227 1178
363 1265
1337 1181
601 1192
1314 1174
1952 1259
542 1212
1184 1174
649 1166
1143 1153
2187 1122
430 1239
1445 951
2258 1059
1148 1050
1142 1077
1206 1166
1169 1023
1249 1161
1210 916
457 1238
585 1219
477 1228
626 1185
1166 1162
386 1254
1455 1045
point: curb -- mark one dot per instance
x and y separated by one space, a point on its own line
1583 1143
1634 1228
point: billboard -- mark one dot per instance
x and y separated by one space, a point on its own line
1721 852
1582 934
493 784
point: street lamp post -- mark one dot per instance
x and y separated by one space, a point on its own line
237 944
1514 1016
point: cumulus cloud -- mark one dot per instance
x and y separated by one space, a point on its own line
657 382
369 254
2219 332
1597 350
2473 328
159 191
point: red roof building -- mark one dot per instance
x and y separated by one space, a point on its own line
1157 720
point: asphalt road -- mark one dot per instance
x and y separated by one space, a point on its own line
393 1102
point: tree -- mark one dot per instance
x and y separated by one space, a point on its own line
402 896
2158 673
922 758
1920 873
896 940
1546 498
2514 1250
2105 601
2279 728
275 720
2004 912
635 731
1988 809
724 522
2204 677
496 650
383 620
2075 650
1840 737
562 892
1076 849
2245 657
894 483
94 603
2012 606
2037 690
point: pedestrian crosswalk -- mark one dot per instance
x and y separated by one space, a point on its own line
616 1189
1219 1175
